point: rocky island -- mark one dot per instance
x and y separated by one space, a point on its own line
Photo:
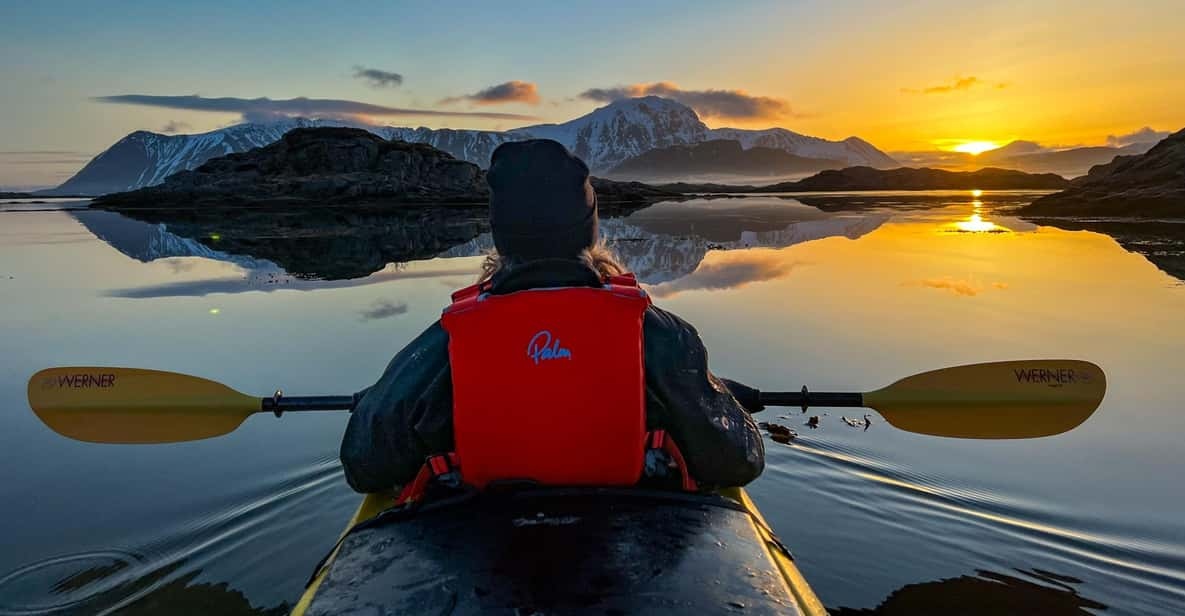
1148 185
902 178
337 166
908 178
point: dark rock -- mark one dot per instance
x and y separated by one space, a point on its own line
1146 185
14 195
706 187
778 432
907 178
611 192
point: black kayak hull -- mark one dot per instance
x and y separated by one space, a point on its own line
563 552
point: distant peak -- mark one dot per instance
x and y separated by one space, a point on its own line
652 100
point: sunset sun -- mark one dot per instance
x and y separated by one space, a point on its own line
975 147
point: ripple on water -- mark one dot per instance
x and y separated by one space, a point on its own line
259 524
80 583
904 496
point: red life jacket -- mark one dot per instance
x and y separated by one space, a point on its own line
548 386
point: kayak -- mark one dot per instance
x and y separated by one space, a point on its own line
561 551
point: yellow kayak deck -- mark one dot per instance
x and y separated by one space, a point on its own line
743 563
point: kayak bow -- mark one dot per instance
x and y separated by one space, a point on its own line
563 551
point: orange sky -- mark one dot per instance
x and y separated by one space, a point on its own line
910 76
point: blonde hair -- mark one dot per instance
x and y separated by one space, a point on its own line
599 258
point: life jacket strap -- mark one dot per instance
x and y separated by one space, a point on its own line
661 441
445 468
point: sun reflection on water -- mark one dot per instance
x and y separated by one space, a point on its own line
976 224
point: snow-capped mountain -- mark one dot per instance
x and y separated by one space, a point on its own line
853 150
145 158
475 146
624 129
603 138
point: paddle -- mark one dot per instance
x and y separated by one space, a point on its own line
998 400
1021 399
130 405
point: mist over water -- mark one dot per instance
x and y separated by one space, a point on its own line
838 292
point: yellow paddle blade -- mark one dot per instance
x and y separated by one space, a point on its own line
1000 400
129 405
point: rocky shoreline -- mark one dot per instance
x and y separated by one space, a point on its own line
1148 185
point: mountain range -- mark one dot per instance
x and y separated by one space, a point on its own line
718 157
1147 185
604 138
1027 156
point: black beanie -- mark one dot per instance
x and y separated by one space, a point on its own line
541 203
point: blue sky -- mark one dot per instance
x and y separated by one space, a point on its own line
835 68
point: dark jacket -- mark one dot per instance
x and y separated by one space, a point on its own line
407 414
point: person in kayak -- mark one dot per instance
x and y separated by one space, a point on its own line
572 408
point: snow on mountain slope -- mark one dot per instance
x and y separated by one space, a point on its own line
853 150
475 146
624 129
145 159
603 138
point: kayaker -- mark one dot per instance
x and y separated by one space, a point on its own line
463 385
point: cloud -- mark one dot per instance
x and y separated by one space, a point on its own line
174 126
958 85
965 288
725 104
378 78
255 109
509 92
381 309
729 270
1144 135
43 157
239 284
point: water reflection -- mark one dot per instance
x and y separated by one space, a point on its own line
867 513
286 249
986 594
320 244
102 589
1160 241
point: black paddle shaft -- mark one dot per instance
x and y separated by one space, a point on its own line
280 404
806 399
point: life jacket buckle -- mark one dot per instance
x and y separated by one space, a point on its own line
445 470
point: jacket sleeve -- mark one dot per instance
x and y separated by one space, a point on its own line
402 418
719 440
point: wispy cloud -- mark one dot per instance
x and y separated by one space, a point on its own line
43 157
965 288
724 104
509 92
174 126
382 309
378 78
264 108
1144 135
959 84
729 270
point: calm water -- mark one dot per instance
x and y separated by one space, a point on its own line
850 295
